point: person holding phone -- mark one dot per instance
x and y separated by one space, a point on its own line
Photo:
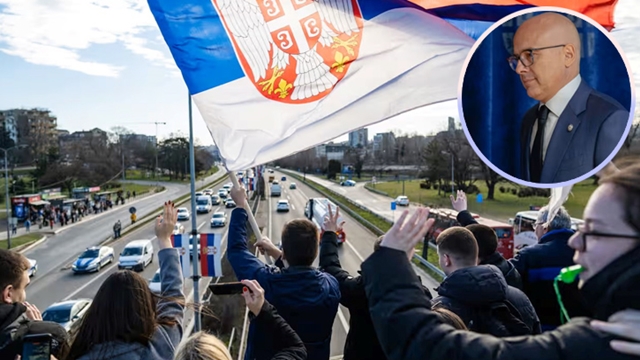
126 321
208 347
18 318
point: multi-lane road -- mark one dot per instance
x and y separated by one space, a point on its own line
55 280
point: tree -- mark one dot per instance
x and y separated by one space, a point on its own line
333 168
173 155
204 160
491 178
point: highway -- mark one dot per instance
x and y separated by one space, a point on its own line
357 248
55 280
60 249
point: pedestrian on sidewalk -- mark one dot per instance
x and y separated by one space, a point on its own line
14 229
117 227
27 225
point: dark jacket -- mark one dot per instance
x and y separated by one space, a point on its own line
165 340
409 331
469 289
305 297
14 325
287 343
362 342
510 273
539 265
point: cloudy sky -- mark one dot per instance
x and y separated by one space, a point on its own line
103 63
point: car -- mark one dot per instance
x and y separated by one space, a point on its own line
33 267
215 200
348 183
292 186
178 229
199 193
93 259
154 283
402 200
67 313
222 193
284 178
230 203
283 205
136 255
219 219
183 214
227 186
207 192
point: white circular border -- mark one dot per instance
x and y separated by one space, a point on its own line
624 60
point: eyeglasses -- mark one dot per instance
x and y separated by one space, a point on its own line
584 234
526 56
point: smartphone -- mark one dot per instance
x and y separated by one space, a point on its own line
229 288
36 347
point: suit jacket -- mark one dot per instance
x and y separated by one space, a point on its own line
597 123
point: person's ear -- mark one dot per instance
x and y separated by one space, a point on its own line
6 294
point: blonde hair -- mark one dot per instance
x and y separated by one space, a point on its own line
202 346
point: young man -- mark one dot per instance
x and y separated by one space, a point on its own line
17 317
479 294
306 298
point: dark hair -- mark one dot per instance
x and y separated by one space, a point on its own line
628 180
300 242
123 309
486 238
459 243
449 317
12 268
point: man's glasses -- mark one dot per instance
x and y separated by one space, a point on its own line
526 56
582 235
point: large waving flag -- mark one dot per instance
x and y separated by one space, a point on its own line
271 78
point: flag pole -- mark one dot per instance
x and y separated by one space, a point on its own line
252 219
194 224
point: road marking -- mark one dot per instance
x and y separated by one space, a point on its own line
343 320
288 197
293 207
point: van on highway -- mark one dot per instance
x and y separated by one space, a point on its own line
203 204
276 189
136 255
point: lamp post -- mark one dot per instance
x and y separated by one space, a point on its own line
155 169
6 193
452 178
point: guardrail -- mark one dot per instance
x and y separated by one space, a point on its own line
379 192
377 231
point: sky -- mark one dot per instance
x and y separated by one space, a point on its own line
103 63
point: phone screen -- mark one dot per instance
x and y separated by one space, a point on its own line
36 348
226 288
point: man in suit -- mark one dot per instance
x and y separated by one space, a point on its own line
573 128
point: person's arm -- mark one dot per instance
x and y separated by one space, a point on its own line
459 204
288 344
609 135
520 263
350 288
245 264
409 330
170 309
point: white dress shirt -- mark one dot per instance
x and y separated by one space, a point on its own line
556 106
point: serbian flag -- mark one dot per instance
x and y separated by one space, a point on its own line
210 255
271 78
181 243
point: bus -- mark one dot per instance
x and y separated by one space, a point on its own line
524 228
316 209
446 218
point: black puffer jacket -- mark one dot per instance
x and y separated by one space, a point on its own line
408 330
467 290
362 342
287 343
14 325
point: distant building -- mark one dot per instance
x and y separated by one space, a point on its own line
33 128
321 151
359 138
335 151
74 144
140 138
452 124
384 142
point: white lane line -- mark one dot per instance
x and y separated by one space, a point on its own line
343 320
293 207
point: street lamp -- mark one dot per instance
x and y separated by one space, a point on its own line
6 192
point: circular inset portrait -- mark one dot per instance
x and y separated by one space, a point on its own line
545 97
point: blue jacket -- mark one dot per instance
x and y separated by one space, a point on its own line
305 297
539 265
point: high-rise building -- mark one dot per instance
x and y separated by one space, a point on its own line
359 138
33 128
384 142
452 124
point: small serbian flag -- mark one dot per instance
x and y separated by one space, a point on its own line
210 255
180 242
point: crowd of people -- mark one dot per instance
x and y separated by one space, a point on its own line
487 307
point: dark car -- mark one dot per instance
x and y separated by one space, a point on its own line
284 178
67 313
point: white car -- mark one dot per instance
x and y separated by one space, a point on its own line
33 268
154 283
219 219
93 259
207 192
283 205
222 193
67 313
402 200
183 214
178 229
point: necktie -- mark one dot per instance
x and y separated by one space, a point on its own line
536 152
